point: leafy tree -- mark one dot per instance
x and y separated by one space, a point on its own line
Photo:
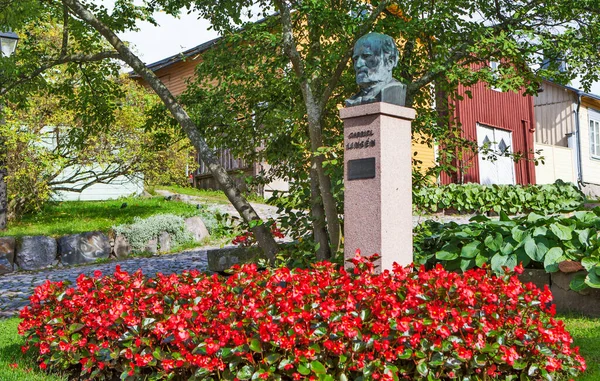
48 151
441 45
280 81
88 44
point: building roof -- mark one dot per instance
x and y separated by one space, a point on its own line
179 56
576 91
190 52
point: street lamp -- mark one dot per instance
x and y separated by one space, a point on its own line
8 43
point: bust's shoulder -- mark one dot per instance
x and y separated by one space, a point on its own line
394 92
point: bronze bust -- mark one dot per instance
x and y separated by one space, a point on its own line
375 56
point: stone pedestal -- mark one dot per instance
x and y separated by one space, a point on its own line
378 182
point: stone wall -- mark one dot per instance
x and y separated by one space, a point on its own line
40 252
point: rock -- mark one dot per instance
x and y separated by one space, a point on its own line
539 277
586 302
152 246
570 266
164 242
196 226
220 260
121 248
82 248
7 254
36 252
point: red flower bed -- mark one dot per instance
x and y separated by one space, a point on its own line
322 323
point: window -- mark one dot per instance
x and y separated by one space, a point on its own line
595 138
495 70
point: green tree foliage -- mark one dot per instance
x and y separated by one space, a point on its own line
48 149
88 45
278 83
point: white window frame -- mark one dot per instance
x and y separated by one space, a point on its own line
494 67
594 126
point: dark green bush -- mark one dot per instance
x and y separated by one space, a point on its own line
533 240
512 199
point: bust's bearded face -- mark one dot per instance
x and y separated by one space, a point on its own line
370 66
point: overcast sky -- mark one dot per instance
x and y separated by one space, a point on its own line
172 36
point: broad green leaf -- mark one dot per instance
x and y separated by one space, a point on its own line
422 369
511 261
532 217
480 260
466 264
589 262
592 280
531 249
446 255
584 236
494 243
578 282
318 367
303 369
245 373
255 345
498 261
518 234
272 358
470 250
540 231
552 258
564 233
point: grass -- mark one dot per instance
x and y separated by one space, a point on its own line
10 353
209 195
585 332
71 217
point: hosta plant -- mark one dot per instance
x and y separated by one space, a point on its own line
511 199
533 240
322 323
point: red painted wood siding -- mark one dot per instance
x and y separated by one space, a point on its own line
505 110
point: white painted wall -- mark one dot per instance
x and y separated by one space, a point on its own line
558 164
590 165
120 187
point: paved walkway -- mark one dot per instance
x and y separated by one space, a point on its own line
17 287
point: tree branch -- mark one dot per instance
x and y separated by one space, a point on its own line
79 58
65 39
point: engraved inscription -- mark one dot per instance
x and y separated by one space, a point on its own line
361 169
363 143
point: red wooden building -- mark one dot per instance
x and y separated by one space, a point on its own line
503 120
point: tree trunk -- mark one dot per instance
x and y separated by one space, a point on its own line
3 196
261 232
3 174
318 218
329 204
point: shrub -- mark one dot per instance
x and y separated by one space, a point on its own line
323 323
512 199
533 240
142 230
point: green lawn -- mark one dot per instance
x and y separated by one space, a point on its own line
585 331
586 334
10 353
208 195
70 217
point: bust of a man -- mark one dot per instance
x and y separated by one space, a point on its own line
375 56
